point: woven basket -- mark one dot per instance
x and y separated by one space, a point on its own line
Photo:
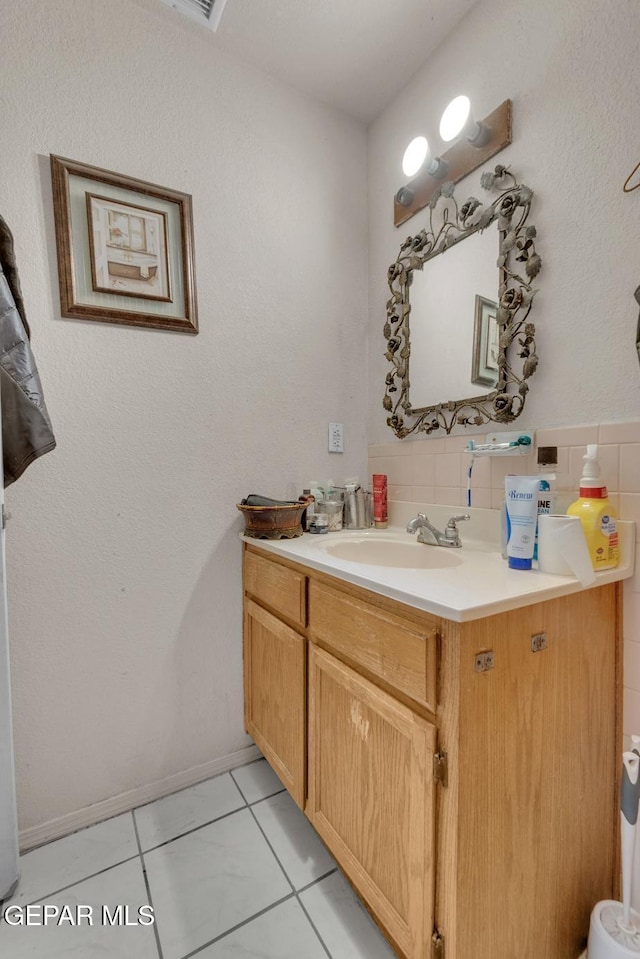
273 522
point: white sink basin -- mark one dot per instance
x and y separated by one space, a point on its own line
387 552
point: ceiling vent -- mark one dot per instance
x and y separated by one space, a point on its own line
206 12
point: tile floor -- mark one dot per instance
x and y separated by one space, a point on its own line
231 868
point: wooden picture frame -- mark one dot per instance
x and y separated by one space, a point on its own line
125 249
484 365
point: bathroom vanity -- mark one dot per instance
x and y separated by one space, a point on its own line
461 768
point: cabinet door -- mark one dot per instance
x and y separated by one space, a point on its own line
532 788
371 796
274 695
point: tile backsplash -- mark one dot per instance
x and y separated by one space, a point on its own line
435 470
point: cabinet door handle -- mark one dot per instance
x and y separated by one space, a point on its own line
441 767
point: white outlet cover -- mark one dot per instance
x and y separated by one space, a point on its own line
336 438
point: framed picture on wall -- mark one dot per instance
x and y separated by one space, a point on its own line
484 364
125 249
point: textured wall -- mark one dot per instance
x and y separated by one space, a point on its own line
123 557
571 71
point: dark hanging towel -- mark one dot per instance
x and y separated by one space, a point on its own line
26 427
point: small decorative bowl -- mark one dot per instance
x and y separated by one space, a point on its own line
273 522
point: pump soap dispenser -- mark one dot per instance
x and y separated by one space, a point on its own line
596 514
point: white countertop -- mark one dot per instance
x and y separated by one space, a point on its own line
481 585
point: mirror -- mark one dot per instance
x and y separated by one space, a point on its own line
458 325
444 298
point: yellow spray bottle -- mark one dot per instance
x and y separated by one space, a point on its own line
596 514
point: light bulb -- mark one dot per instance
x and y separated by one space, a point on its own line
454 118
414 156
418 155
457 121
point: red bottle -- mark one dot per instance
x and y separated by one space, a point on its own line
380 500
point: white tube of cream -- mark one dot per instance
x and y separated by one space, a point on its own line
521 495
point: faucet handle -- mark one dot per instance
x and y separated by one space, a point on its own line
451 532
457 519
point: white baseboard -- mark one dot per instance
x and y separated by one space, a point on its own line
106 808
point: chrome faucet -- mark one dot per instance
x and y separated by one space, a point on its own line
425 528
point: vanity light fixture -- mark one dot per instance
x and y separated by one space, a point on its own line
418 159
405 196
418 156
457 122
477 142
414 156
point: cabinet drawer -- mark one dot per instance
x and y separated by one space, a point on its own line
276 586
401 654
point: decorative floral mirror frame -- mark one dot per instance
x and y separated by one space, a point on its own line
518 264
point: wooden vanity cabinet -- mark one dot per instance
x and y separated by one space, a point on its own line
275 674
471 802
372 795
528 824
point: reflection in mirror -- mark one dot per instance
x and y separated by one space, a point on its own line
446 338
443 308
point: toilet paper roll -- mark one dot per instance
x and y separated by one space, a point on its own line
562 548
